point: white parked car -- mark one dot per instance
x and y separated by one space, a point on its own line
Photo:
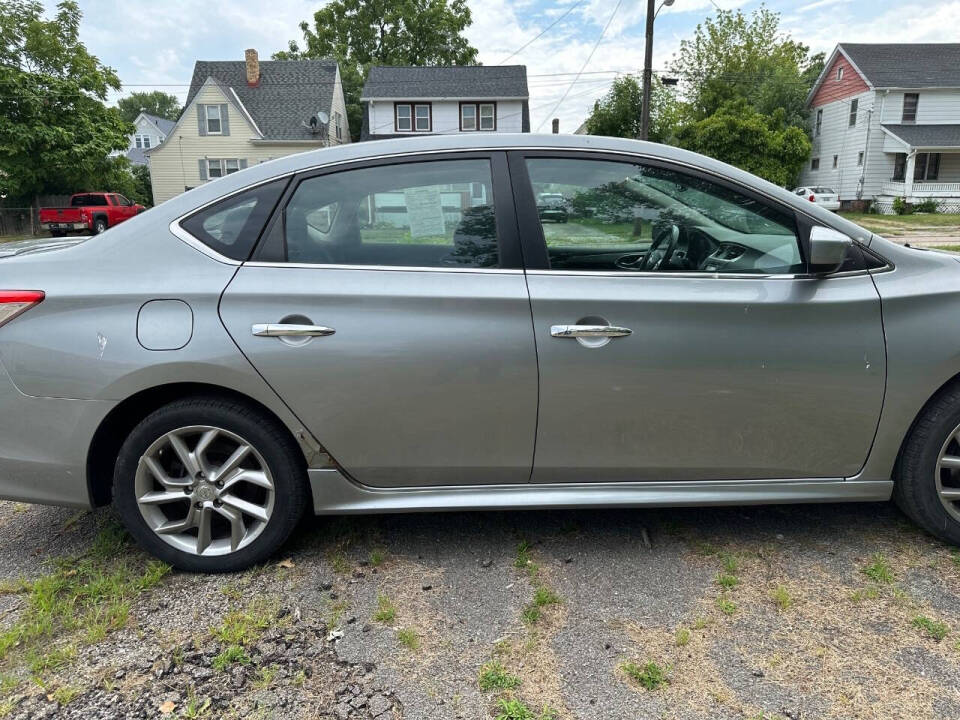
822 196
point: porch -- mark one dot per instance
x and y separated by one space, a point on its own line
926 166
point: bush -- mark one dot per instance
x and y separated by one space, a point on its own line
901 206
927 206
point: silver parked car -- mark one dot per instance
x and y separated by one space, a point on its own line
389 327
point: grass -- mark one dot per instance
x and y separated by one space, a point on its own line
65 694
523 561
683 637
879 569
85 597
513 709
650 676
242 627
408 638
726 605
494 676
338 559
881 223
781 598
264 677
727 582
386 610
931 628
232 655
951 248
377 558
336 611
542 597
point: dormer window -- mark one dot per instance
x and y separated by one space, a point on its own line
413 117
478 116
839 73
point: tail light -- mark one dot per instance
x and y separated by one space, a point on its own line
812 198
16 302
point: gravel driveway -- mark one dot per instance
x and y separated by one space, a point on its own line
835 611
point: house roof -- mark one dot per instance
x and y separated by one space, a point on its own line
465 81
906 65
289 92
162 124
926 136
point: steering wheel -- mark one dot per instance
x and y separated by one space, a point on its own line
662 248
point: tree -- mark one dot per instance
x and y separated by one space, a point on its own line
765 145
617 113
362 33
156 103
56 133
734 56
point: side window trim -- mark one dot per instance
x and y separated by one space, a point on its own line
531 230
508 243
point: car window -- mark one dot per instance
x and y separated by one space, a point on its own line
427 214
231 227
628 217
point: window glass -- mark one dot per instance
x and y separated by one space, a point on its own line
486 117
616 216
232 166
430 214
231 226
854 104
468 115
214 169
403 117
213 118
423 117
910 101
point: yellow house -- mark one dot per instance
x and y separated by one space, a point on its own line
243 112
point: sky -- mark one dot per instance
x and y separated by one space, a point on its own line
153 45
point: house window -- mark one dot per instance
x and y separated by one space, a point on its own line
815 164
899 167
819 121
910 102
860 159
836 160
478 116
422 118
213 120
220 167
853 112
926 167
338 126
839 73
404 121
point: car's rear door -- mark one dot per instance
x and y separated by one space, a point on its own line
717 358
418 366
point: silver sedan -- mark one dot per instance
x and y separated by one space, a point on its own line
390 327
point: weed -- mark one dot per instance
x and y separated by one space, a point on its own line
727 606
879 570
650 676
868 593
264 677
494 676
523 560
337 610
386 611
233 654
195 708
727 582
377 558
53 660
955 557
408 638
730 562
300 678
931 628
701 622
683 637
545 596
781 597
65 694
231 591
339 561
513 709
242 627
531 613
706 549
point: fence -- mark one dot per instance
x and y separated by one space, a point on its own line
15 219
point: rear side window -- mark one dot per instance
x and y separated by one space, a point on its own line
88 200
231 227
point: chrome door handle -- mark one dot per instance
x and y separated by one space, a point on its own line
281 330
588 331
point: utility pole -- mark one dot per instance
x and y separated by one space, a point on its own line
647 74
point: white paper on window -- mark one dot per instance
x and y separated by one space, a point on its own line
424 211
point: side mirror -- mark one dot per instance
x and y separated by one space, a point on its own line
828 249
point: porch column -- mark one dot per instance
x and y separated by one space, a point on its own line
908 176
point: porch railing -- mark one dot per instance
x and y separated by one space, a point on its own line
923 189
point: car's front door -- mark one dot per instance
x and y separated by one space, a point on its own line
426 373
677 334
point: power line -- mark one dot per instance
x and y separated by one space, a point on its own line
542 32
586 62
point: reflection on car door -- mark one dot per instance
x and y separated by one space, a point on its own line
387 306
674 341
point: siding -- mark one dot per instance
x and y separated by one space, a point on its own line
934 107
340 106
174 166
831 90
446 116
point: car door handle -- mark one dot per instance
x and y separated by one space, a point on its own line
588 331
284 330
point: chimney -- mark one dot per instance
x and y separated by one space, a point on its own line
253 68
556 126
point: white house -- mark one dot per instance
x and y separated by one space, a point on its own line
885 120
149 132
405 101
243 112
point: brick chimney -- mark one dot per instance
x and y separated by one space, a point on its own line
253 68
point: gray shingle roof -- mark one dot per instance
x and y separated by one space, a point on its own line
162 124
931 136
907 65
471 82
290 91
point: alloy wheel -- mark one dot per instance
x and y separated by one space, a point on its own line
204 490
948 474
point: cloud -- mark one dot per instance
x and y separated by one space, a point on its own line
819 4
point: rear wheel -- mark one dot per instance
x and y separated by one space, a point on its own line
928 474
99 226
210 485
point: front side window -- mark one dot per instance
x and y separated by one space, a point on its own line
214 168
231 227
899 167
404 117
926 167
815 164
854 104
432 214
231 166
214 126
606 216
910 102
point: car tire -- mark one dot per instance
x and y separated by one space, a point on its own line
99 226
922 482
267 488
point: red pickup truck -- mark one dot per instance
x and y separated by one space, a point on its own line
92 211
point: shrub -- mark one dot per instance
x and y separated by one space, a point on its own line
901 206
927 206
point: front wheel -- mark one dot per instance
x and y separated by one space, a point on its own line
210 485
927 483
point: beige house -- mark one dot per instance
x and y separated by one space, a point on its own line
239 113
